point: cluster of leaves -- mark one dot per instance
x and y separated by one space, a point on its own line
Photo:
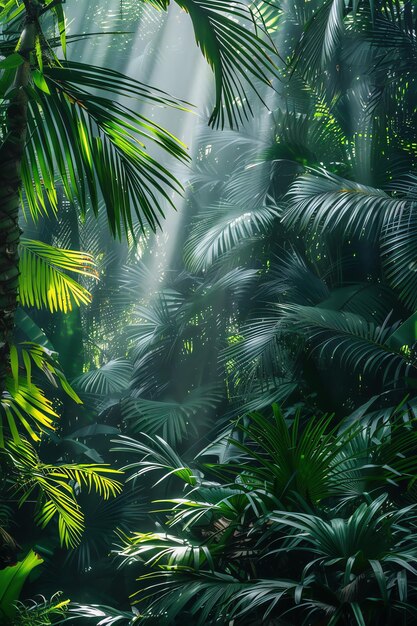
304 522
85 144
294 282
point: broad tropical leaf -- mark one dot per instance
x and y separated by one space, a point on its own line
11 582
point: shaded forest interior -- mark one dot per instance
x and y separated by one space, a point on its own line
208 296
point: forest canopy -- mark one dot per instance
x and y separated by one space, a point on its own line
208 327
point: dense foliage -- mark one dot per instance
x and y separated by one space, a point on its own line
213 424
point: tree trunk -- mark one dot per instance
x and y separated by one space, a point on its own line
11 154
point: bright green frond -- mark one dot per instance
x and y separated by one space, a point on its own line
44 281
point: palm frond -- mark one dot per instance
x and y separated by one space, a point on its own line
324 202
96 145
209 587
44 281
321 37
399 252
41 612
154 454
30 331
52 488
104 520
223 227
237 49
103 615
111 378
174 421
270 13
371 301
24 402
163 549
291 278
91 476
356 342
27 407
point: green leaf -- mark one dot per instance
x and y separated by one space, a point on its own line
40 82
12 579
60 17
12 61
43 279
236 53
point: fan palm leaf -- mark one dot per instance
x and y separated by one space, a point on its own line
174 421
111 378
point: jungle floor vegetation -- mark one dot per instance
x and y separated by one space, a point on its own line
211 422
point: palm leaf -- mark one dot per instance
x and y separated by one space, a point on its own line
369 300
51 485
92 476
104 520
163 549
222 228
291 278
43 279
96 145
270 13
321 37
107 615
399 253
30 330
111 378
154 454
232 42
26 406
174 421
41 612
324 202
356 342
24 403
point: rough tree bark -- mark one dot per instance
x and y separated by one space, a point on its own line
11 154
